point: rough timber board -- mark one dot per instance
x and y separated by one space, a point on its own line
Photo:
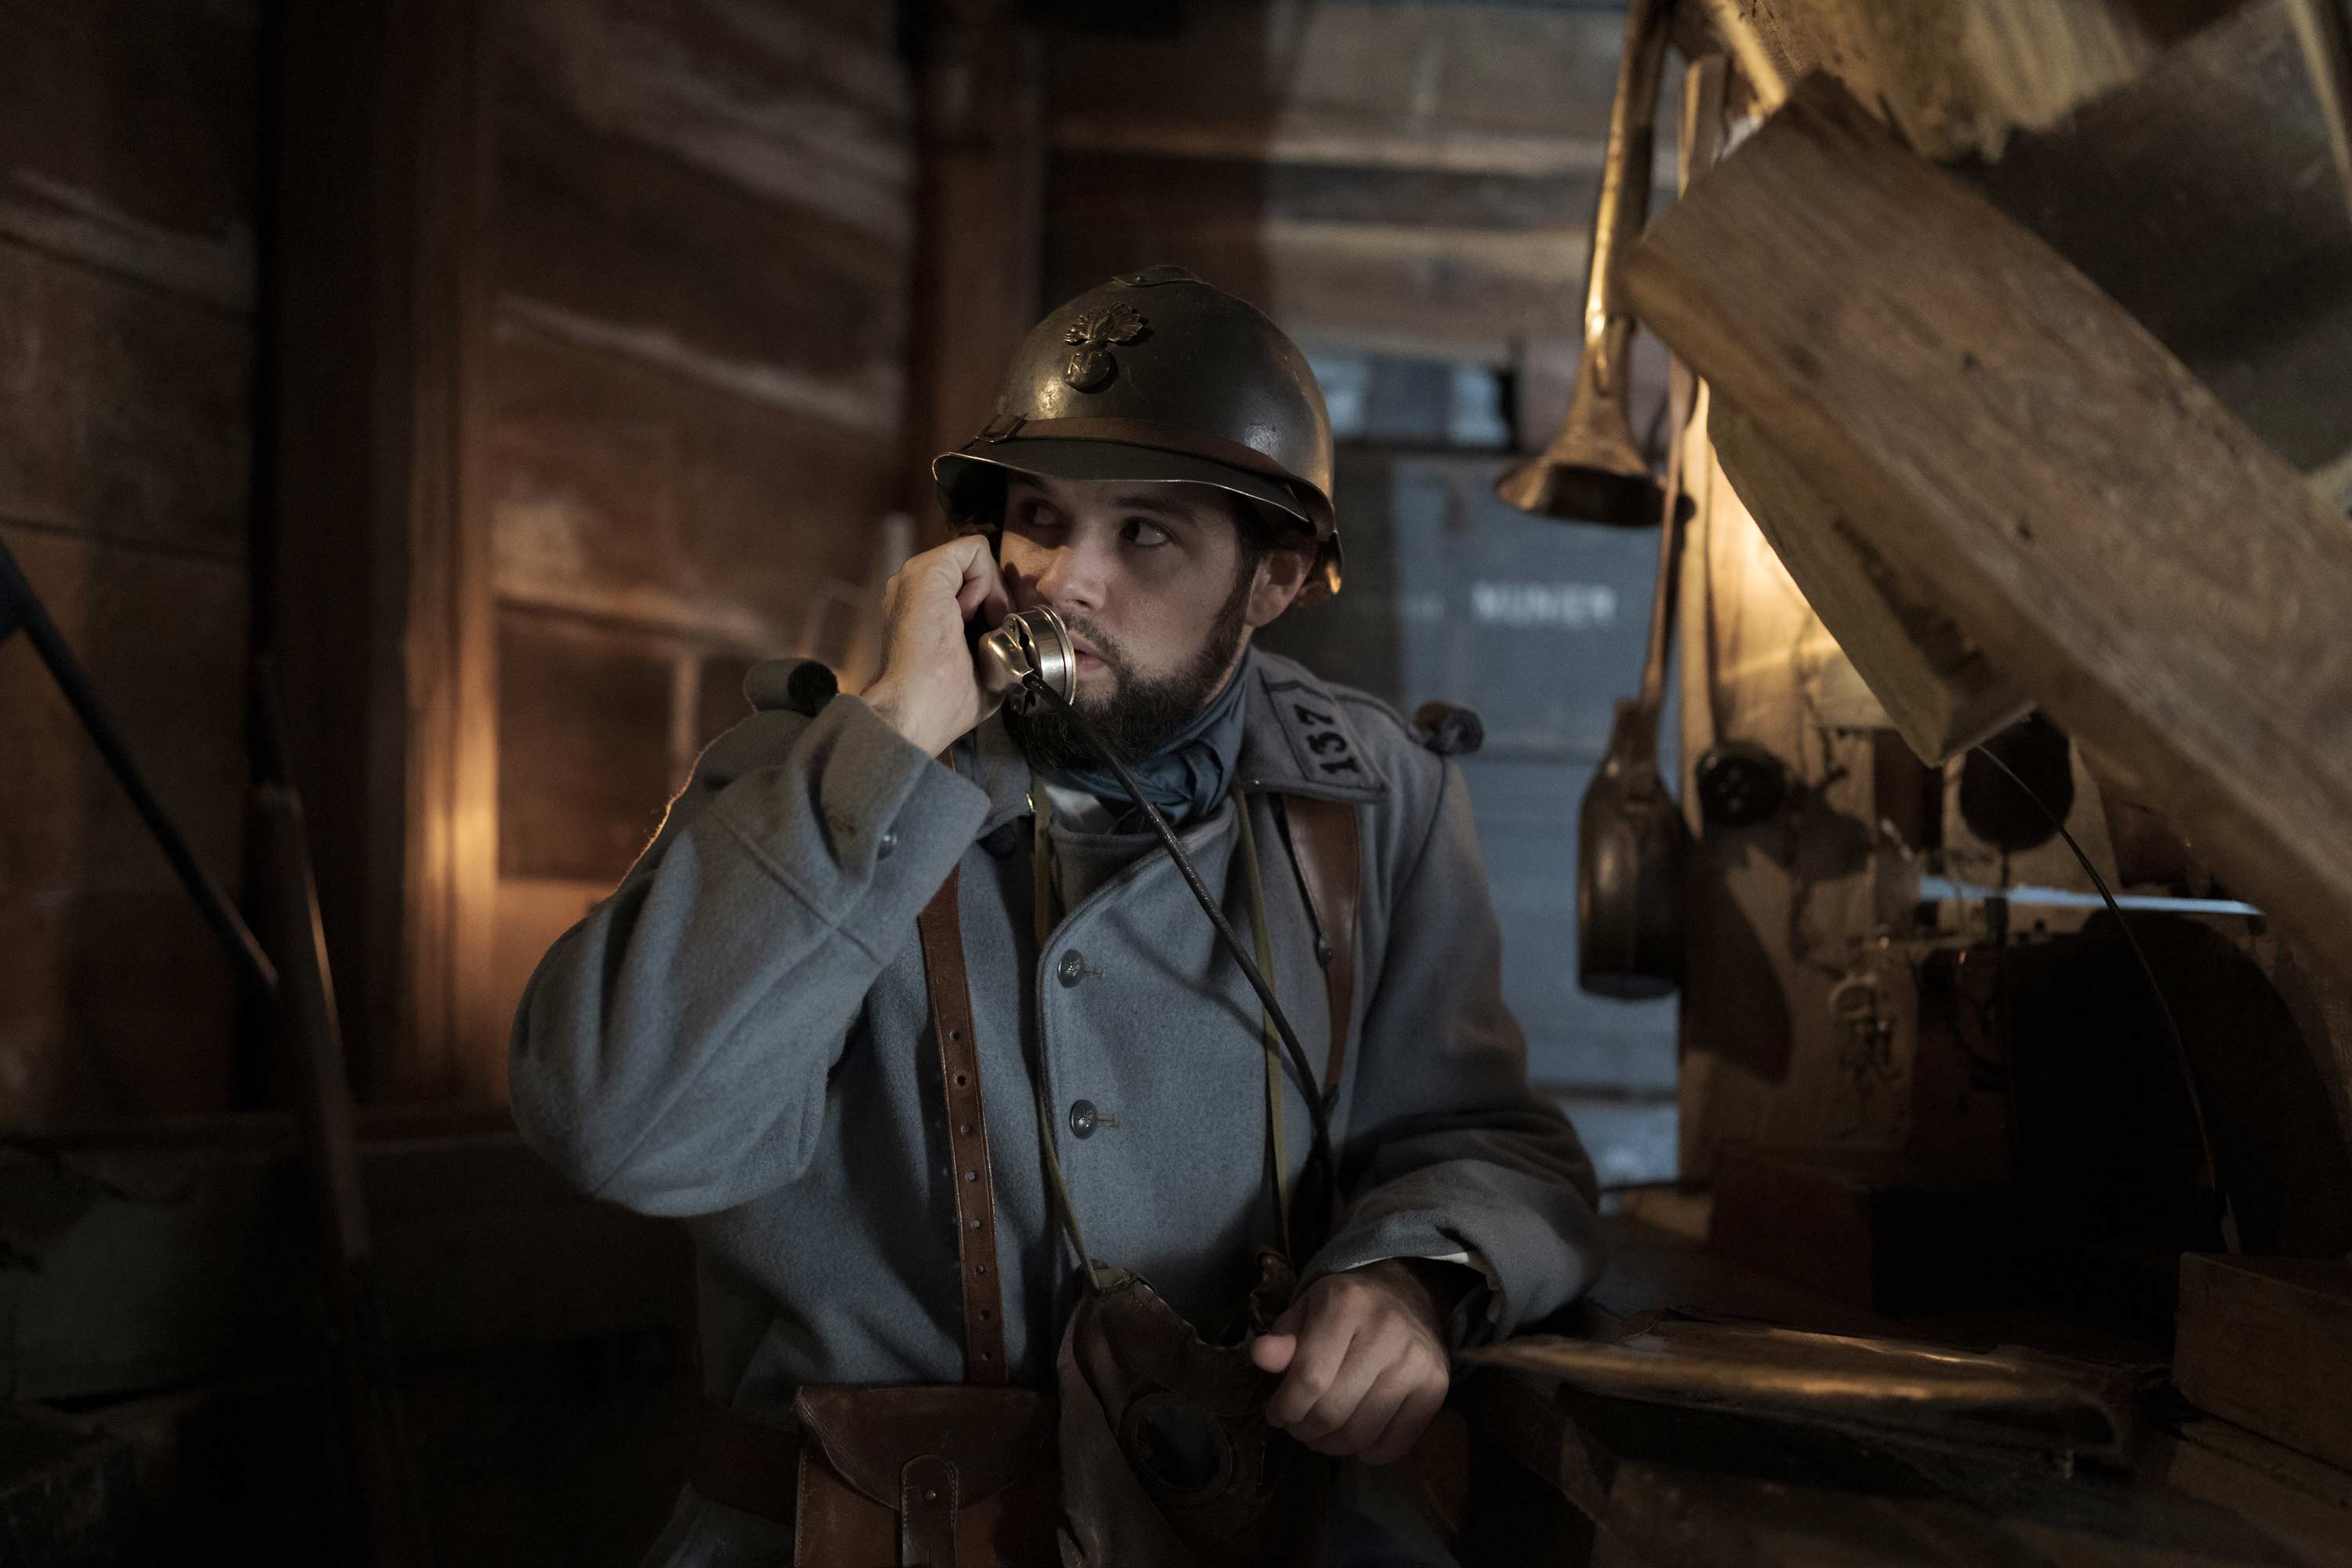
1497 89
124 409
2090 515
2267 1343
628 493
127 138
1933 682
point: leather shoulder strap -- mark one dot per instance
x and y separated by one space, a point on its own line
1324 847
942 930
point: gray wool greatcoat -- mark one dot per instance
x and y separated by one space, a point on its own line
740 1037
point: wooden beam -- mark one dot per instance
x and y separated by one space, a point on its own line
379 589
1932 681
1992 423
1959 80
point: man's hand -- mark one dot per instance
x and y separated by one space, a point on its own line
1363 1359
928 689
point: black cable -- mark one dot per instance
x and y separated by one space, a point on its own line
1320 1154
2171 1025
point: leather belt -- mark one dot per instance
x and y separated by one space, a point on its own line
975 1183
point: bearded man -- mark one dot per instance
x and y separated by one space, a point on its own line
1022 1238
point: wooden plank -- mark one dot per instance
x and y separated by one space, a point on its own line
1499 90
585 722
2003 430
632 495
127 140
126 411
2187 196
787 107
1240 192
1438 293
114 997
629 250
2267 1343
1933 682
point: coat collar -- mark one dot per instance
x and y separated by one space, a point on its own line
1296 739
1300 739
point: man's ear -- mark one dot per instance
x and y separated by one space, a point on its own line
1281 573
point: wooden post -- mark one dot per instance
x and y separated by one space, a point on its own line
980 187
374 545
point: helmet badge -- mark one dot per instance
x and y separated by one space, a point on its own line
1094 334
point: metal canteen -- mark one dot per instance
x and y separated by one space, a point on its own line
1025 642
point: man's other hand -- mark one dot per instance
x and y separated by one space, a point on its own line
1363 1359
929 689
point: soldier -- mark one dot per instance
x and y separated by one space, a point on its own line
1003 1187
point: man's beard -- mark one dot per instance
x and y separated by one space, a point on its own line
1142 713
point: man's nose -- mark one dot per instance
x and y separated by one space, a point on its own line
1073 578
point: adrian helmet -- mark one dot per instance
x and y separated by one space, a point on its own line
1156 376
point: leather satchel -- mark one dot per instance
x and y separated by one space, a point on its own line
925 1478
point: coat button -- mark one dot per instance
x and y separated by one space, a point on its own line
1082 1118
1072 969
883 844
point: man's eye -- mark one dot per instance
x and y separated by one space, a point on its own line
1141 530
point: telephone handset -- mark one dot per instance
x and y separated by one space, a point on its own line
1025 643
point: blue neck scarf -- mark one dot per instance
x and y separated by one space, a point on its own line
1188 777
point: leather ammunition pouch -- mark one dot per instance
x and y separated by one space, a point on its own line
925 1478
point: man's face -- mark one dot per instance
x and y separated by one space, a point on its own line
1158 594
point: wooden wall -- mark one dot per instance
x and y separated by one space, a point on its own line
699 243
704 228
1411 178
126 356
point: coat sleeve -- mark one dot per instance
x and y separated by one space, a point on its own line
671 1051
1448 1151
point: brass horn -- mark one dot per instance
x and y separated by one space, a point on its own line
1593 471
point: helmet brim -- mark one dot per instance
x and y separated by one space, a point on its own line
961 474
